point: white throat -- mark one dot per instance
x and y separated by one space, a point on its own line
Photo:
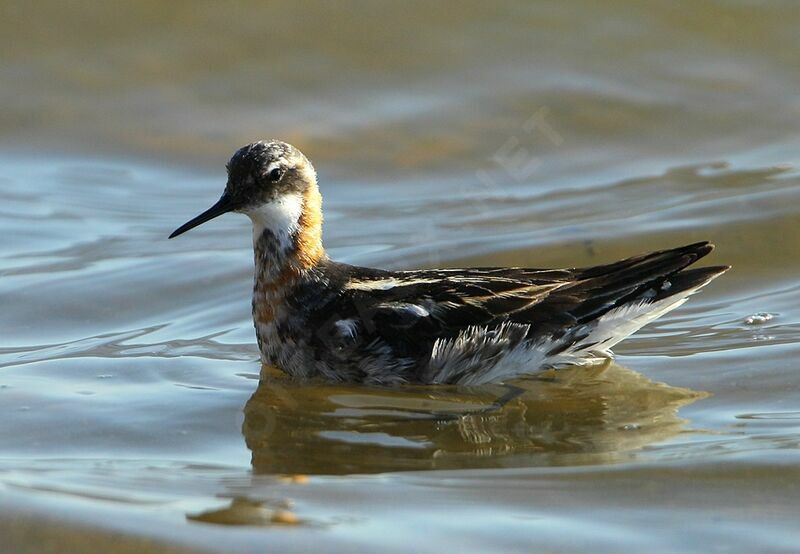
281 217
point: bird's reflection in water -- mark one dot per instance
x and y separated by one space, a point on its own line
573 416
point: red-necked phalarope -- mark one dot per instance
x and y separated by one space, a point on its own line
317 317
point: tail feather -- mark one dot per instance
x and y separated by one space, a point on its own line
608 287
644 262
626 318
691 280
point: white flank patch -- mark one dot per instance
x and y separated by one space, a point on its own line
281 217
622 322
480 355
619 324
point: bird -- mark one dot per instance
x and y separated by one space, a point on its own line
321 319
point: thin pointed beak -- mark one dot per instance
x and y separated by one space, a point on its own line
222 206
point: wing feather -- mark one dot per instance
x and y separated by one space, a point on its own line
409 311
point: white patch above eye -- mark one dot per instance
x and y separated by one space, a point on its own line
281 216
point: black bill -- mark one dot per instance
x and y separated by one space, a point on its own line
222 206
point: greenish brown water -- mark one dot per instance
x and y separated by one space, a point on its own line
521 133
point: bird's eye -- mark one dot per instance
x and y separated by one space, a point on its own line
276 174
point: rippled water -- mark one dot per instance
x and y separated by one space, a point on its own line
538 134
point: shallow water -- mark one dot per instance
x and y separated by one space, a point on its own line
524 134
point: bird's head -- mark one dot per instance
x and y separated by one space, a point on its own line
271 182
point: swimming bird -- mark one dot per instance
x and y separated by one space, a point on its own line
315 317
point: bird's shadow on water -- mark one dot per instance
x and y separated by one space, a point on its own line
574 416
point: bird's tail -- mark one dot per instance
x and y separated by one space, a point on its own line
629 294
